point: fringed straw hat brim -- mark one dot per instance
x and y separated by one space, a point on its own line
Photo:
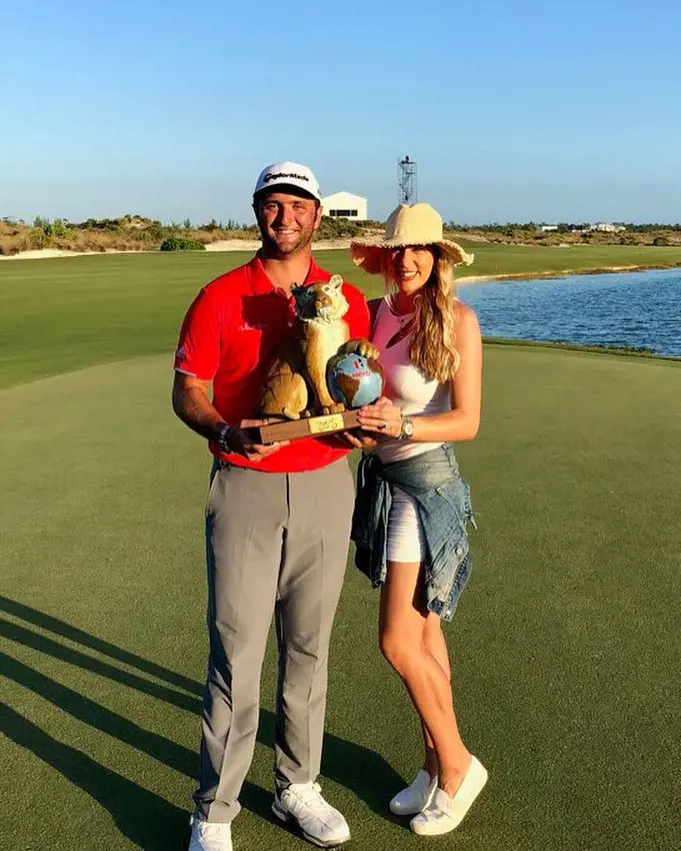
368 254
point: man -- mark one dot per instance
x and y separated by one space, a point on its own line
277 523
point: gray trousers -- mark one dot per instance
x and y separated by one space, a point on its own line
275 544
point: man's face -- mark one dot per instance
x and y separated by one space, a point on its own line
286 222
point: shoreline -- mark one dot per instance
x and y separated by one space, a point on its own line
563 273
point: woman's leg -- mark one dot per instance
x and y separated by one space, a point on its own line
437 647
402 636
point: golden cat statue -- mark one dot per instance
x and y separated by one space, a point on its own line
295 385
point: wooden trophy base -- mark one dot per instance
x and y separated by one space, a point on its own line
307 427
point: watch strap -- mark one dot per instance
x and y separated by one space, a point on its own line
223 435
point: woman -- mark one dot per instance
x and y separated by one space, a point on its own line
412 505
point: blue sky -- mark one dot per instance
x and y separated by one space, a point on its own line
513 111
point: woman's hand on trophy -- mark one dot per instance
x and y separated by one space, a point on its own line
383 418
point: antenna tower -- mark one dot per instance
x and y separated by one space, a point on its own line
407 181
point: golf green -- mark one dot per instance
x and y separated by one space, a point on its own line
566 643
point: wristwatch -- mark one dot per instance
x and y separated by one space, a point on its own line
223 437
407 430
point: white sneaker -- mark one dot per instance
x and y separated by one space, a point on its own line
210 836
416 797
320 822
444 813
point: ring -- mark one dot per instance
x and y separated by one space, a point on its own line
383 425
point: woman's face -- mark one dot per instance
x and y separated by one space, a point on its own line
412 267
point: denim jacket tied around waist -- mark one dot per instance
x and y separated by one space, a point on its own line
443 504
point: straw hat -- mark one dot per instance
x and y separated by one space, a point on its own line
418 224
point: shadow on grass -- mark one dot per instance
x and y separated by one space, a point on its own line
89 712
362 771
169 753
149 821
78 636
42 644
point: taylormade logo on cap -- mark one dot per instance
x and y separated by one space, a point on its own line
277 175
290 174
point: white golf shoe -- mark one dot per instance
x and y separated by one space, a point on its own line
210 836
444 813
320 823
415 797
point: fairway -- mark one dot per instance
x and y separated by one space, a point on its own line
64 314
566 643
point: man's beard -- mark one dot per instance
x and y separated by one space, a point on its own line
276 252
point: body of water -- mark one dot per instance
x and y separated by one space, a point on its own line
631 310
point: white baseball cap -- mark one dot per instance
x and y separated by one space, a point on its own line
288 174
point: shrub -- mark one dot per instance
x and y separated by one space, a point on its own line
661 240
14 244
39 238
182 243
58 229
155 232
335 228
44 232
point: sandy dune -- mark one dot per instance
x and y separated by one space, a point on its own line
220 245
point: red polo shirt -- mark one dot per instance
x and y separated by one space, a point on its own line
230 335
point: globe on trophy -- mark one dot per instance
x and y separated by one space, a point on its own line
354 380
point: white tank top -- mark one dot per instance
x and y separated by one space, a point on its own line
405 384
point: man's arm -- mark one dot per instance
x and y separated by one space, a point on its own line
191 403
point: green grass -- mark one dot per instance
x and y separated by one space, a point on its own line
497 259
566 642
64 314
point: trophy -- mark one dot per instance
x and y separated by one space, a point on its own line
319 377
353 380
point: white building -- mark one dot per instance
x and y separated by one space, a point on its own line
345 205
607 227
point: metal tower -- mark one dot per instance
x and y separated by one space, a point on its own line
407 182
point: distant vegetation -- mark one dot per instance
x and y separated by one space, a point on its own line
182 243
340 228
127 233
137 233
564 233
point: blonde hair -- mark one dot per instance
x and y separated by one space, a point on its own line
433 337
